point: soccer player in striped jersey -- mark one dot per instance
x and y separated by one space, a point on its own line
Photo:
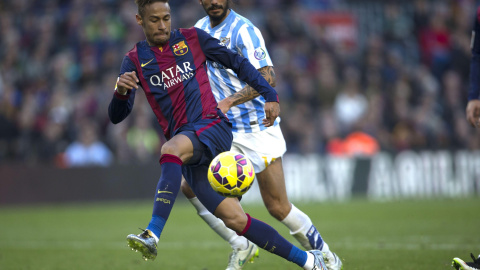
263 145
170 68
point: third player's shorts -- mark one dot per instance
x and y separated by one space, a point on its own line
260 147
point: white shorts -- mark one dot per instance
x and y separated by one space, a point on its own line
261 147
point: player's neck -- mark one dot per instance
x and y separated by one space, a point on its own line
214 23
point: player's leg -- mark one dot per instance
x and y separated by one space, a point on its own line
174 153
231 213
272 188
237 242
265 236
242 250
271 182
265 150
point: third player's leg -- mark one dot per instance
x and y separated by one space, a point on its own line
187 190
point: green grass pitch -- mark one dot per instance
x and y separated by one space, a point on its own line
406 234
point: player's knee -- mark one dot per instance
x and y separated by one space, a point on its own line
186 189
278 211
235 221
168 148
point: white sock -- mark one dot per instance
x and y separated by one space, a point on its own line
299 224
297 221
310 262
237 242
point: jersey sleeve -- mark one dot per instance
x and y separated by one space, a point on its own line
241 66
474 90
121 105
251 44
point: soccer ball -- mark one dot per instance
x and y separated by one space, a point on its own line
231 174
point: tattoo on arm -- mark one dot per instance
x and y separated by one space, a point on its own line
248 93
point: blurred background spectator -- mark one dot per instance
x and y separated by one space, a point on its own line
87 150
395 71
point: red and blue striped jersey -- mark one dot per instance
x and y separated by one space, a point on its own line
174 79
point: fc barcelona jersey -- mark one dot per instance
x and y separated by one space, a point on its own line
174 79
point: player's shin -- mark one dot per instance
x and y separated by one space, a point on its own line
269 239
218 226
303 230
167 189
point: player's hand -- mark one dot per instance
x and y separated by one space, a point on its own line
127 81
473 112
272 111
224 105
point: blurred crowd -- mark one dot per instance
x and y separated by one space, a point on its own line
402 82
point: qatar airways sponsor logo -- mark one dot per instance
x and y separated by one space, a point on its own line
173 76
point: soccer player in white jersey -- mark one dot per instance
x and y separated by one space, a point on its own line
264 146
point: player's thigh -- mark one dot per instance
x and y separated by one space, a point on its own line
271 182
230 211
196 177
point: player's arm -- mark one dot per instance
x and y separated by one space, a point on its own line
245 71
247 93
124 96
473 106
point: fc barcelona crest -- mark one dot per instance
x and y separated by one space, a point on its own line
180 48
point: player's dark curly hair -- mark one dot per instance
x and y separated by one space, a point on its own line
142 3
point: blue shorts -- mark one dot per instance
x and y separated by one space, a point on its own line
208 141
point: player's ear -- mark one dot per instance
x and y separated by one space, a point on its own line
139 19
200 1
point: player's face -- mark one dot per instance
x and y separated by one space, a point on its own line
216 9
156 23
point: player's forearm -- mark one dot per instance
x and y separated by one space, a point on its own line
247 73
248 93
119 108
242 96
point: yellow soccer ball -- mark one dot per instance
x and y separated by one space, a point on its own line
231 174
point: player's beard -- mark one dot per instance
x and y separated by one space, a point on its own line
221 16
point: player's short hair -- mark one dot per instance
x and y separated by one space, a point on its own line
142 3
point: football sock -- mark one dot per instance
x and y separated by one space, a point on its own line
303 230
269 239
237 242
167 190
310 263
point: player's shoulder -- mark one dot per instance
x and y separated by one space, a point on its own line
242 21
130 54
137 48
202 23
243 26
189 32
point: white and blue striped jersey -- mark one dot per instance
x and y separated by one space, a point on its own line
240 35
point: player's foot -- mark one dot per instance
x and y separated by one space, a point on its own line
459 264
238 258
145 243
332 261
319 261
